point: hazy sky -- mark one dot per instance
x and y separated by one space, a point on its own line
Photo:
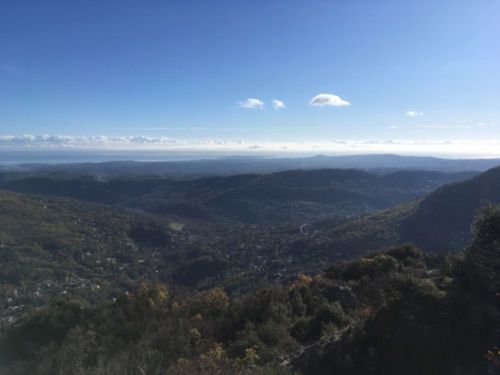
252 71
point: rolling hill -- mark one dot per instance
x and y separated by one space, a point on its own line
284 197
438 223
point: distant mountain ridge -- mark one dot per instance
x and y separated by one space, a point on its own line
241 165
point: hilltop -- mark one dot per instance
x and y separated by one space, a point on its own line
294 197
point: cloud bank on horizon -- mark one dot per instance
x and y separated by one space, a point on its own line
462 148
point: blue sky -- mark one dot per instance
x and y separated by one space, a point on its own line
184 69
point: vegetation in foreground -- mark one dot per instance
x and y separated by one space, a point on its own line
392 312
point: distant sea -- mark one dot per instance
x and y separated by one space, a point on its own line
62 157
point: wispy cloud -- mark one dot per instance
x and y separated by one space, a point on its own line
413 113
252 103
461 148
462 125
323 100
278 104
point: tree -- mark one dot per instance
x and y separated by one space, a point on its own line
483 255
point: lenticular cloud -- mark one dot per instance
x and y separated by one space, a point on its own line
323 100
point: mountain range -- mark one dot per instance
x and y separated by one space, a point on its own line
256 164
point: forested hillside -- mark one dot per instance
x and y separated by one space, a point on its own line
293 197
442 221
51 246
439 222
392 312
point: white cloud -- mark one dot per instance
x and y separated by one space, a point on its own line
252 103
322 100
450 148
278 104
413 113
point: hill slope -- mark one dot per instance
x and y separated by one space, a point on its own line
440 222
53 246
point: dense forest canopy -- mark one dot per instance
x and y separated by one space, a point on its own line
393 311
